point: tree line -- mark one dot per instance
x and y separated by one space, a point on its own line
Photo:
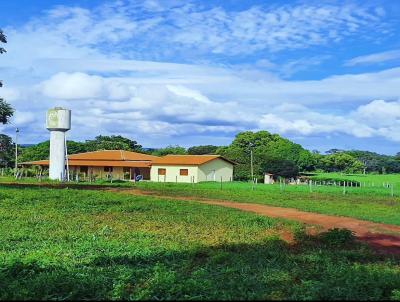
271 153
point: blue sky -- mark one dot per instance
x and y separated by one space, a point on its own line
324 74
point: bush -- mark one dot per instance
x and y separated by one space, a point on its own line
337 237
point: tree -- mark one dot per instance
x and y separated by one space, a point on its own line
170 150
281 167
6 111
374 162
271 153
7 148
200 150
3 39
341 162
42 150
113 142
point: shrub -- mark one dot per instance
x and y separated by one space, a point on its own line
337 237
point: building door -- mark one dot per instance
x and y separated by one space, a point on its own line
134 172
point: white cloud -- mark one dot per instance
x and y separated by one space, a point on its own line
24 118
377 118
374 58
267 28
73 86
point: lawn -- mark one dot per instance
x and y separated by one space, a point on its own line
79 244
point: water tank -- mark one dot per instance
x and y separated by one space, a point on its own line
58 119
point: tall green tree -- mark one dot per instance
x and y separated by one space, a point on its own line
6 111
271 153
341 162
7 154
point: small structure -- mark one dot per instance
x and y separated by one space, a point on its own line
268 178
191 168
58 122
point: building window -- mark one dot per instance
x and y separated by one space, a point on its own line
184 172
83 169
162 171
127 170
108 169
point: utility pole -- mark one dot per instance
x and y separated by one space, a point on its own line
16 150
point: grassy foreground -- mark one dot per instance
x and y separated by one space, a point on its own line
70 244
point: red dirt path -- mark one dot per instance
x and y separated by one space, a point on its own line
382 237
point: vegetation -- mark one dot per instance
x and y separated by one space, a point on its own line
6 111
113 142
101 142
271 153
374 162
88 245
7 155
200 150
170 150
340 161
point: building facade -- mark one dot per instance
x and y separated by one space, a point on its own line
126 165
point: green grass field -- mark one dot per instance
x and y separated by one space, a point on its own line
374 204
78 244
368 203
366 179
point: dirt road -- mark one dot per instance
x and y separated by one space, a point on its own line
382 237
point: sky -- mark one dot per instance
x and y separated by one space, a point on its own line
324 74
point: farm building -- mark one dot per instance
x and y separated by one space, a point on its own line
191 168
120 164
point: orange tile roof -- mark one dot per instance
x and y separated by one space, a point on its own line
121 158
194 160
111 155
97 163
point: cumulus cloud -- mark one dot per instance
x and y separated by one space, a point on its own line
377 118
73 86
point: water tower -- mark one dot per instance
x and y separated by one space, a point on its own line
58 122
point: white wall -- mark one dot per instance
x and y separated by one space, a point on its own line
173 173
215 170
